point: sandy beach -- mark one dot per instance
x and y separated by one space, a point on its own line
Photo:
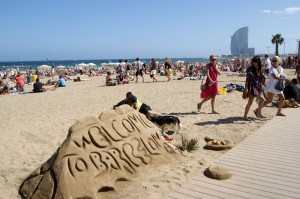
33 126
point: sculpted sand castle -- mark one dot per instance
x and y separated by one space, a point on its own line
100 156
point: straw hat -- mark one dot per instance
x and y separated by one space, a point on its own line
211 57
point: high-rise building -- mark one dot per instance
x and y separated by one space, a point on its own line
239 43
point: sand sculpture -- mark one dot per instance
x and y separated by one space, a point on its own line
100 156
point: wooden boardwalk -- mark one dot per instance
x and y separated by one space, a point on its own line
264 165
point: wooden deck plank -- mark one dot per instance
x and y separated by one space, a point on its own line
261 157
219 188
237 171
244 189
261 170
258 164
261 163
214 191
248 185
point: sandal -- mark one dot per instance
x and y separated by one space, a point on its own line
255 112
198 106
280 114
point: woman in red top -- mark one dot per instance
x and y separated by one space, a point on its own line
211 89
20 82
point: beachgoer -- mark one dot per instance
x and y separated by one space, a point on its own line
78 79
61 82
274 77
168 68
38 86
211 89
127 67
109 80
122 79
254 84
291 91
139 70
153 69
297 71
143 108
52 72
5 85
20 82
267 64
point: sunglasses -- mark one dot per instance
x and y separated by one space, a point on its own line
213 60
274 61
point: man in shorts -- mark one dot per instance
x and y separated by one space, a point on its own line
139 70
267 64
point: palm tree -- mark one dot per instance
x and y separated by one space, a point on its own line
277 39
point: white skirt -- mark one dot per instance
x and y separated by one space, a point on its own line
153 72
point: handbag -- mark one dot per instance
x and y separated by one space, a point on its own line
203 85
280 85
245 93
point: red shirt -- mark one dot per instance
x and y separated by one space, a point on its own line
20 80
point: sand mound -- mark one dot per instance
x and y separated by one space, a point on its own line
99 157
217 172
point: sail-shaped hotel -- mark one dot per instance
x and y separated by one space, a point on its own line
239 43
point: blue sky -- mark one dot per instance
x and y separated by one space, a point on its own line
100 29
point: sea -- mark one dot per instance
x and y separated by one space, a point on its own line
71 63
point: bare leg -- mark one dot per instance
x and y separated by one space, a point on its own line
247 108
202 102
260 106
151 114
281 97
269 100
213 103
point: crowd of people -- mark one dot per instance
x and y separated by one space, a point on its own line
256 75
262 74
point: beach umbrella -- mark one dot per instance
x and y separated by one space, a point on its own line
44 67
62 71
92 64
60 67
11 69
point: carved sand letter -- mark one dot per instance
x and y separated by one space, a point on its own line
97 138
120 129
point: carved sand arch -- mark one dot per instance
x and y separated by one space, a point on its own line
100 156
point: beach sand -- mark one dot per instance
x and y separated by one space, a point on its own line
33 126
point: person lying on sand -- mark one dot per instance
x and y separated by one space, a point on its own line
155 117
78 79
143 108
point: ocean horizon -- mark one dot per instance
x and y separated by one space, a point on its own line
71 63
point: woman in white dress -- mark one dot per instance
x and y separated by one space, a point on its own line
274 77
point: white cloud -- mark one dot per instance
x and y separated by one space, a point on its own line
265 11
292 10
